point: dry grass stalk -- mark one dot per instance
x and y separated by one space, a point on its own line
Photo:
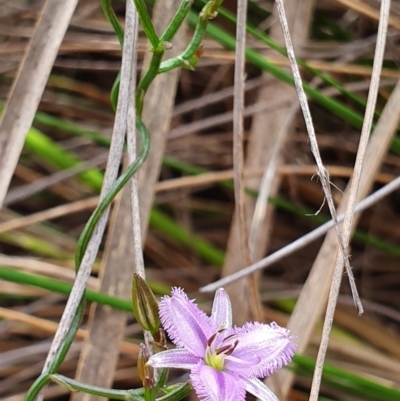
352 195
109 178
33 74
99 356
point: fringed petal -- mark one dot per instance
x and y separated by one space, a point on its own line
185 323
259 390
214 385
222 310
178 358
266 347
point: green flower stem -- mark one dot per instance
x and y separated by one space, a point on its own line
74 385
149 394
147 25
177 21
176 392
113 20
69 338
119 31
188 59
162 377
38 384
117 186
146 80
44 378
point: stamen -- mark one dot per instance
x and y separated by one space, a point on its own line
211 339
223 349
221 328
229 352
230 337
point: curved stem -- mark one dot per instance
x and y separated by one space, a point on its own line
189 57
74 385
148 27
113 20
146 80
118 185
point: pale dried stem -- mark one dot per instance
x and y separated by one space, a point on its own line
113 164
352 197
29 85
99 356
132 154
238 155
132 150
238 107
305 240
322 172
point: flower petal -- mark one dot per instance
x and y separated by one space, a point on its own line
185 323
261 350
259 390
178 358
222 310
214 385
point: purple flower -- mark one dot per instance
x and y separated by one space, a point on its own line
224 361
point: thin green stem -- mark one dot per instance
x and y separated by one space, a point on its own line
118 185
149 394
74 385
119 31
113 20
38 384
177 21
69 338
188 58
146 80
177 392
147 25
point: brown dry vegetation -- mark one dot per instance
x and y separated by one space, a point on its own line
190 112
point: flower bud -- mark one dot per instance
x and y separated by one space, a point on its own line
160 341
145 306
145 372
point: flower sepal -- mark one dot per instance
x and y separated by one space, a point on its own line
145 306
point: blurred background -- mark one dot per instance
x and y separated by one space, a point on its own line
186 192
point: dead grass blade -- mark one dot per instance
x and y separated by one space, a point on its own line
303 241
106 327
29 85
321 170
109 178
352 195
250 287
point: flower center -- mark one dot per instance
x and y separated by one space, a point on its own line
218 348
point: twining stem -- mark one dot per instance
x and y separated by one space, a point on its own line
188 58
74 385
113 20
146 80
177 21
148 27
117 186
